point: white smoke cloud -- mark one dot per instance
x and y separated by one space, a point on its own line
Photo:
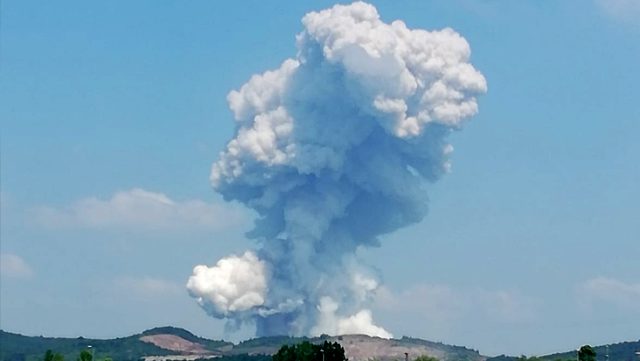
360 323
233 285
334 149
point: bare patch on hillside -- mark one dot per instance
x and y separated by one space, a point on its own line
363 348
175 343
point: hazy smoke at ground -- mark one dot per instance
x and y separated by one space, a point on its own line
334 149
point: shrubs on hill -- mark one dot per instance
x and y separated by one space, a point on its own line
50 356
426 358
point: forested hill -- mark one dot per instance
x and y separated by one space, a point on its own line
15 347
623 351
170 343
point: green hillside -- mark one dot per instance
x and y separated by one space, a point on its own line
15 347
623 351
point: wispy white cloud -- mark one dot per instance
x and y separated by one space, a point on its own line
621 9
139 209
604 290
437 302
440 309
13 266
146 287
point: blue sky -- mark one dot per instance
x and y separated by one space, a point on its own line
112 109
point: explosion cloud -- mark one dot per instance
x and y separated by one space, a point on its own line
332 150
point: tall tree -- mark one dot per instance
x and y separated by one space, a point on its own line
51 356
586 353
85 356
48 356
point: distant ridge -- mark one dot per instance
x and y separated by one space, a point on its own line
16 347
622 351
172 331
625 351
173 343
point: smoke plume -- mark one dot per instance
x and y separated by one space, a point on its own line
332 150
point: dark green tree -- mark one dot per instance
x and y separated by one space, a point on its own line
333 351
48 356
586 353
51 356
85 356
306 351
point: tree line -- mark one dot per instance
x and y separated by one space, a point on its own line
85 355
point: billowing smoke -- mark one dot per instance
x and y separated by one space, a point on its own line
334 149
234 284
